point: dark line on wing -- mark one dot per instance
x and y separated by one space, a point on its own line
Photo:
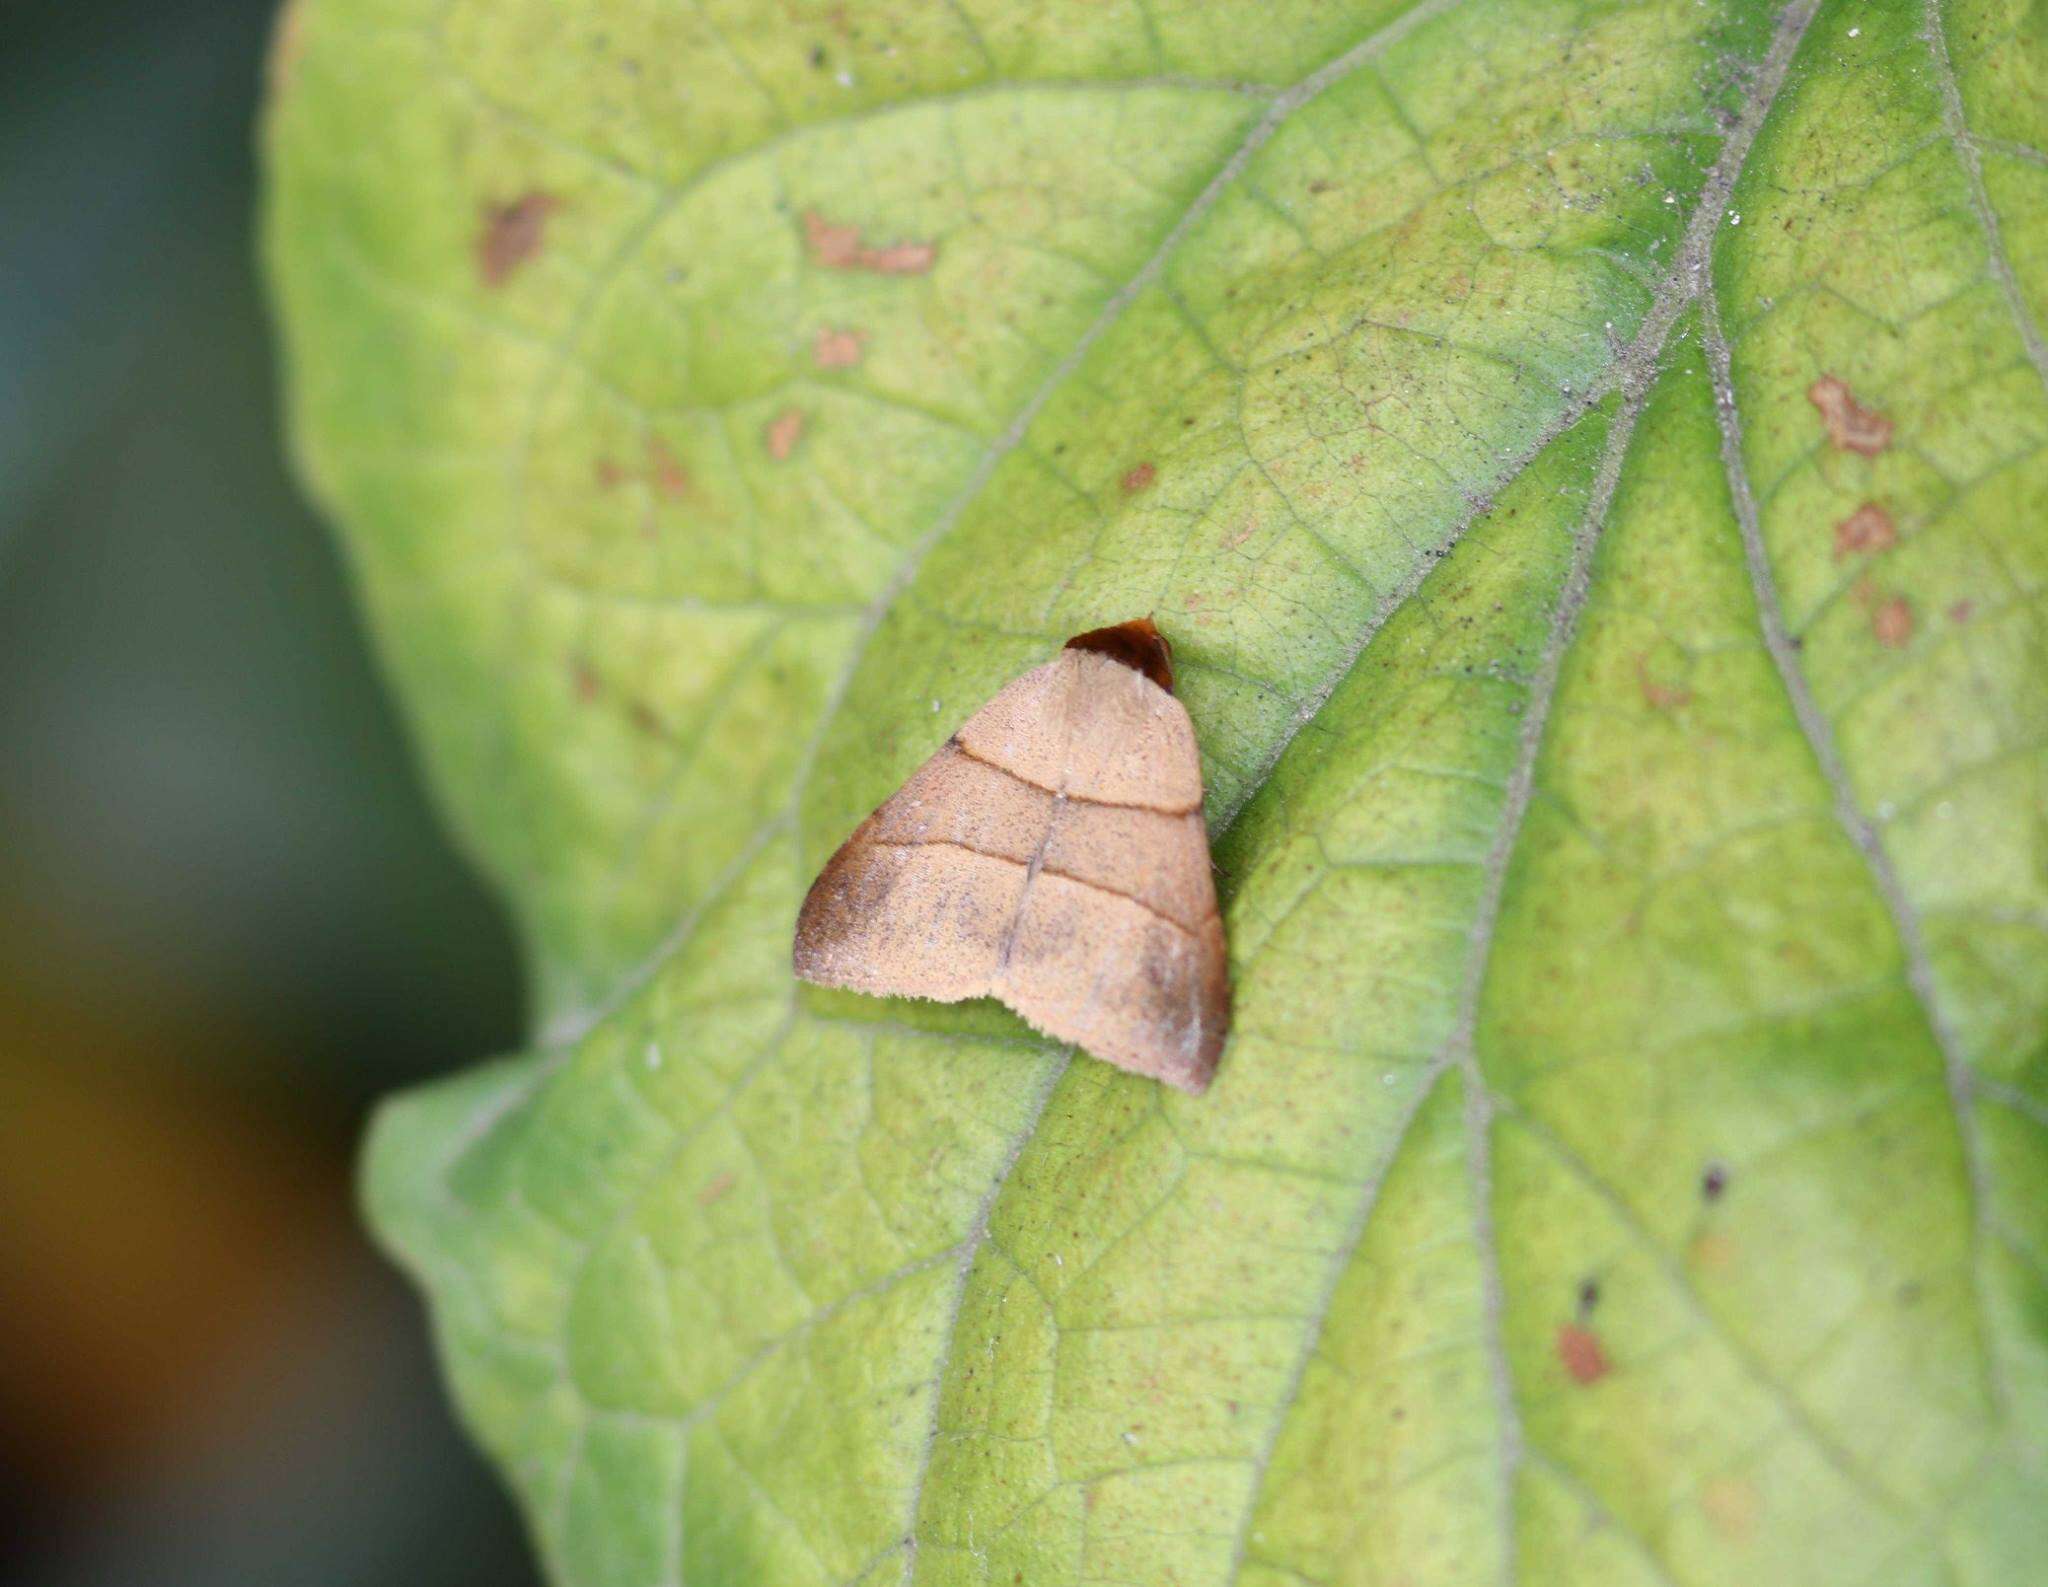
1072 798
1044 870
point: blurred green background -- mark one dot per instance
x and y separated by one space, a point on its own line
228 917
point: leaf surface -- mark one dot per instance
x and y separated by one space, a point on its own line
1590 462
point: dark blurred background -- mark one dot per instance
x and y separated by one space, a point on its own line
228 918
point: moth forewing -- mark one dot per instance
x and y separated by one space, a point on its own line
1051 854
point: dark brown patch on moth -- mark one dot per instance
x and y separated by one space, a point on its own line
1138 644
1581 1354
1138 478
848 891
1851 426
512 234
1868 528
838 247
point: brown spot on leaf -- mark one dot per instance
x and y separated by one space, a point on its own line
834 247
1868 528
837 349
1961 611
512 234
1713 1182
1851 426
783 433
1580 1352
1660 696
642 716
1138 479
838 247
901 258
1730 1505
584 682
1892 622
717 1187
609 474
666 469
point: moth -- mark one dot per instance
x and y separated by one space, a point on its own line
1051 854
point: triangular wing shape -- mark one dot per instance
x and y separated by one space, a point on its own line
1051 854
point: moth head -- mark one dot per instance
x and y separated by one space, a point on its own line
1138 644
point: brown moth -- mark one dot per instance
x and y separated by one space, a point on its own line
1051 854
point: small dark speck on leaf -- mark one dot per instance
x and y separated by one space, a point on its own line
584 681
833 348
1892 623
1960 612
1580 1352
1138 479
1660 696
1731 1504
1589 1296
1713 1182
716 1187
783 433
512 234
670 477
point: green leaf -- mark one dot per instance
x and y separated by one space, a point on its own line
1590 461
